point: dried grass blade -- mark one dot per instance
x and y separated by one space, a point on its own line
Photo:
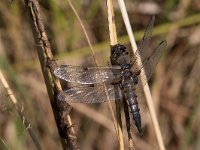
146 87
113 41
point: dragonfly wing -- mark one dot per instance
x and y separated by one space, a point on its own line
90 94
85 75
149 64
141 52
149 58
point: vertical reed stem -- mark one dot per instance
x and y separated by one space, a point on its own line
146 87
113 41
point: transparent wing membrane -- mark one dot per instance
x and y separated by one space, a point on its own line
85 75
90 94
141 52
150 62
149 57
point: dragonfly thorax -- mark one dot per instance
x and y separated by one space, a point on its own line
124 61
129 77
127 73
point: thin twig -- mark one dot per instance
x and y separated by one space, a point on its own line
20 111
113 41
63 120
146 87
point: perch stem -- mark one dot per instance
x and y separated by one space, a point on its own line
146 87
47 62
113 41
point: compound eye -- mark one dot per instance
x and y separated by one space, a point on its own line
123 50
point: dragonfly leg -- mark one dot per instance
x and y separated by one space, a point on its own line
135 80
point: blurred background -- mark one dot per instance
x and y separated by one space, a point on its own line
174 86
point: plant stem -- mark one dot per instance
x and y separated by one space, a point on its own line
146 87
113 41
53 85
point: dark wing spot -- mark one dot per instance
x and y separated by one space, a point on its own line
91 85
85 68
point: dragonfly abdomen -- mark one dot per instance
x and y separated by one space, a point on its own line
131 98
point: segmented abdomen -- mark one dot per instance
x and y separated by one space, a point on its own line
131 98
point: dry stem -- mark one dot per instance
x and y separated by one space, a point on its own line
146 87
63 120
113 41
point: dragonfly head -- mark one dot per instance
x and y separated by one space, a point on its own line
117 51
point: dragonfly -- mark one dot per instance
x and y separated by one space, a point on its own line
107 83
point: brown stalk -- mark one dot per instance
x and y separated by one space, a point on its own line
146 87
113 41
47 62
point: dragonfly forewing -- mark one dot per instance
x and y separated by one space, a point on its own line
90 94
142 48
149 64
84 75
